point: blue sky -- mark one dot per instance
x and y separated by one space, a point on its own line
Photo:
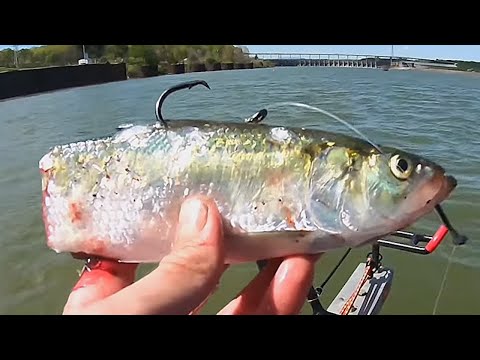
457 52
19 46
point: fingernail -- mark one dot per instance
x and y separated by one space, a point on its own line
193 214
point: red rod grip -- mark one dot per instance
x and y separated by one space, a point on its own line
437 239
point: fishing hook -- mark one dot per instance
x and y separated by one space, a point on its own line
457 238
164 95
89 264
257 117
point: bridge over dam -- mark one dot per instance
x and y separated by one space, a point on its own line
349 60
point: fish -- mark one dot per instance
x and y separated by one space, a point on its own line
281 190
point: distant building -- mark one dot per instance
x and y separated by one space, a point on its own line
86 60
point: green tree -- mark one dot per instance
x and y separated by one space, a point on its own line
227 54
93 51
180 52
144 52
7 58
49 55
114 52
238 55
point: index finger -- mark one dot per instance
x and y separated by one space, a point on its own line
102 279
288 289
280 288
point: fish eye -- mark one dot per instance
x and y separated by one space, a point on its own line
400 167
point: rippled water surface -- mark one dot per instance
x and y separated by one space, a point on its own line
434 114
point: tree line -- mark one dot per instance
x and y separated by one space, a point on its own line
152 55
139 55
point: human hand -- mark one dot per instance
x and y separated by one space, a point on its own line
186 277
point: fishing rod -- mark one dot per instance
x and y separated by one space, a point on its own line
376 295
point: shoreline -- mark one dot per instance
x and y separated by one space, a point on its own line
447 71
27 87
19 83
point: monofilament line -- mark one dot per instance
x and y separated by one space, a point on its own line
444 280
328 114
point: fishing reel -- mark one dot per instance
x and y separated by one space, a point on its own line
377 293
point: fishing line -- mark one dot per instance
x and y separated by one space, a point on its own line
328 114
442 286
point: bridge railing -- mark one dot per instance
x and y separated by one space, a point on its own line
340 56
313 56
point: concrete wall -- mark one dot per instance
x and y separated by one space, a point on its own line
32 81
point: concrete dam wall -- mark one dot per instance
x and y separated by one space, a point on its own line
33 81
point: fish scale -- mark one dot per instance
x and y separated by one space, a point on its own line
280 190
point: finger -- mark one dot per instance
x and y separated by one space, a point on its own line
199 308
288 290
104 278
185 277
252 295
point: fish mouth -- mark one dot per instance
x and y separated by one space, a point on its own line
425 199
451 183
448 184
439 187
430 194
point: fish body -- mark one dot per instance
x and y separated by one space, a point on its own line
280 190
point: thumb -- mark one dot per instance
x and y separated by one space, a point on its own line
192 221
185 277
197 257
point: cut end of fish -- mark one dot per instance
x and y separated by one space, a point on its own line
46 162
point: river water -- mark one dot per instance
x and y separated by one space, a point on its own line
432 113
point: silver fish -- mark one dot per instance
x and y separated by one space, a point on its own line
280 190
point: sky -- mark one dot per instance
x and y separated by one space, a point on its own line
456 52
